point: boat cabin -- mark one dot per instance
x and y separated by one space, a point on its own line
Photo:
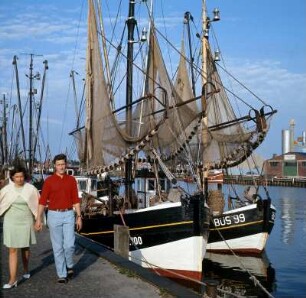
146 187
86 184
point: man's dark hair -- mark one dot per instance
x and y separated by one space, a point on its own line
59 157
19 169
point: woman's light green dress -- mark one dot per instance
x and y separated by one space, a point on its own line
18 224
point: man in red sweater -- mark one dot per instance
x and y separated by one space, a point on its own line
60 193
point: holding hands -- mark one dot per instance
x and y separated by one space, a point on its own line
38 225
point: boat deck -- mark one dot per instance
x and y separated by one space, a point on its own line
98 273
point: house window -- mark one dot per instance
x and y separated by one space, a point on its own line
274 163
290 164
303 164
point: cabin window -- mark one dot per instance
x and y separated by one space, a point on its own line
151 184
140 184
162 184
137 185
82 185
93 185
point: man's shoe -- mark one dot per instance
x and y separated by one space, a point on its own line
70 272
62 280
26 275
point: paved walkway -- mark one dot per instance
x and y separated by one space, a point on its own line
99 273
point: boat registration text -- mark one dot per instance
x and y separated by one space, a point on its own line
229 220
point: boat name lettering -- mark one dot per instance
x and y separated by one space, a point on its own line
136 240
228 220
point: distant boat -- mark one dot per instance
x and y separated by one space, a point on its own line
214 176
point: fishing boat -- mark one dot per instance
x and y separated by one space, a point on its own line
244 227
182 118
170 236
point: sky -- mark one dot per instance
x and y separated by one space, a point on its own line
263 42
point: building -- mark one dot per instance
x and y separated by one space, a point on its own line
291 164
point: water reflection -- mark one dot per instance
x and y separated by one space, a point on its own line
235 274
288 219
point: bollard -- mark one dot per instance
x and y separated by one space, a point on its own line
121 240
211 288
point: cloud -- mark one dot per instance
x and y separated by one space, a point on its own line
39 26
270 80
282 89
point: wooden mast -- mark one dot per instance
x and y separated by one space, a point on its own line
204 179
205 48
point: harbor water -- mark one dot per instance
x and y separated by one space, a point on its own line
281 270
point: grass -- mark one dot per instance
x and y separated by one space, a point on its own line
128 272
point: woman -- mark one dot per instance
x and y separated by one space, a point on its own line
18 204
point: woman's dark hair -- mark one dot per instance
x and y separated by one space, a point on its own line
19 169
59 157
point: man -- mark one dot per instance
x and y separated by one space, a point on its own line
61 194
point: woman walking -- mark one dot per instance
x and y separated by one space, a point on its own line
18 204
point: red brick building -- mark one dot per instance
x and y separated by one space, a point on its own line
291 164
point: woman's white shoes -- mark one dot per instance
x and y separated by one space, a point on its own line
10 286
26 275
14 285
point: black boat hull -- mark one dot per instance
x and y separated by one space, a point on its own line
243 230
168 236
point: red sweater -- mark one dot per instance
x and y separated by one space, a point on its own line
59 192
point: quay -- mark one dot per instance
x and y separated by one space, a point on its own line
261 180
99 272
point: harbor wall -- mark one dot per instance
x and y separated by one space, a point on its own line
261 180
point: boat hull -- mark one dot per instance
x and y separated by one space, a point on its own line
176 259
169 238
243 230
